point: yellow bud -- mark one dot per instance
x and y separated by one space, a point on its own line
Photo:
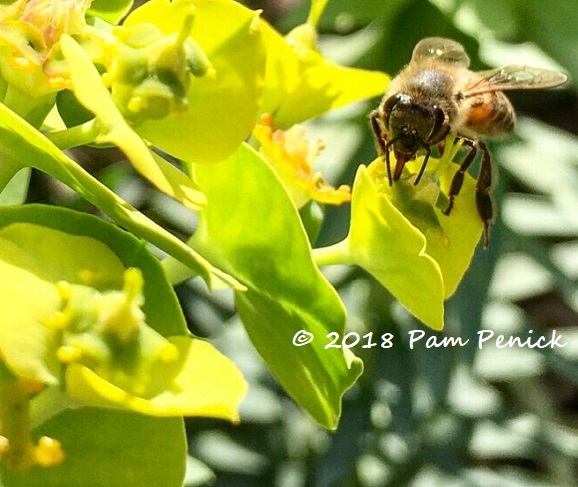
57 321
136 104
86 276
64 290
169 353
4 446
119 312
67 354
48 452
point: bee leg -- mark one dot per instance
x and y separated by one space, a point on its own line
458 179
483 187
382 147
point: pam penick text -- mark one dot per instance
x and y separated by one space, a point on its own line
419 338
487 338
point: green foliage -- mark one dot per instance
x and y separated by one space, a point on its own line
84 340
269 252
202 98
113 441
111 11
224 103
23 146
95 334
417 411
301 84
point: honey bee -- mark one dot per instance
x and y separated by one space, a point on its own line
436 94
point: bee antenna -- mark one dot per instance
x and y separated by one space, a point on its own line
425 160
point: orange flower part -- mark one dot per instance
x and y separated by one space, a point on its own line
54 17
30 58
292 155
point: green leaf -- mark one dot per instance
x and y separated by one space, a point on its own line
110 449
463 228
251 227
26 343
388 246
301 84
223 108
23 146
16 190
71 111
112 11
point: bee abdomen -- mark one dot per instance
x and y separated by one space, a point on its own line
491 114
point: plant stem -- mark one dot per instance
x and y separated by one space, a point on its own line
30 108
334 254
317 8
83 134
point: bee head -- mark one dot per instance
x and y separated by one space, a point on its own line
411 126
413 123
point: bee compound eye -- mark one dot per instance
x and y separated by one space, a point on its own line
394 108
438 114
390 104
439 119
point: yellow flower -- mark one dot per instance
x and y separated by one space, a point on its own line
30 31
52 18
293 155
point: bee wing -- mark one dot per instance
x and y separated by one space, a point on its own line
514 77
440 49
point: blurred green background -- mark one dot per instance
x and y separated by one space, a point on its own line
423 417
